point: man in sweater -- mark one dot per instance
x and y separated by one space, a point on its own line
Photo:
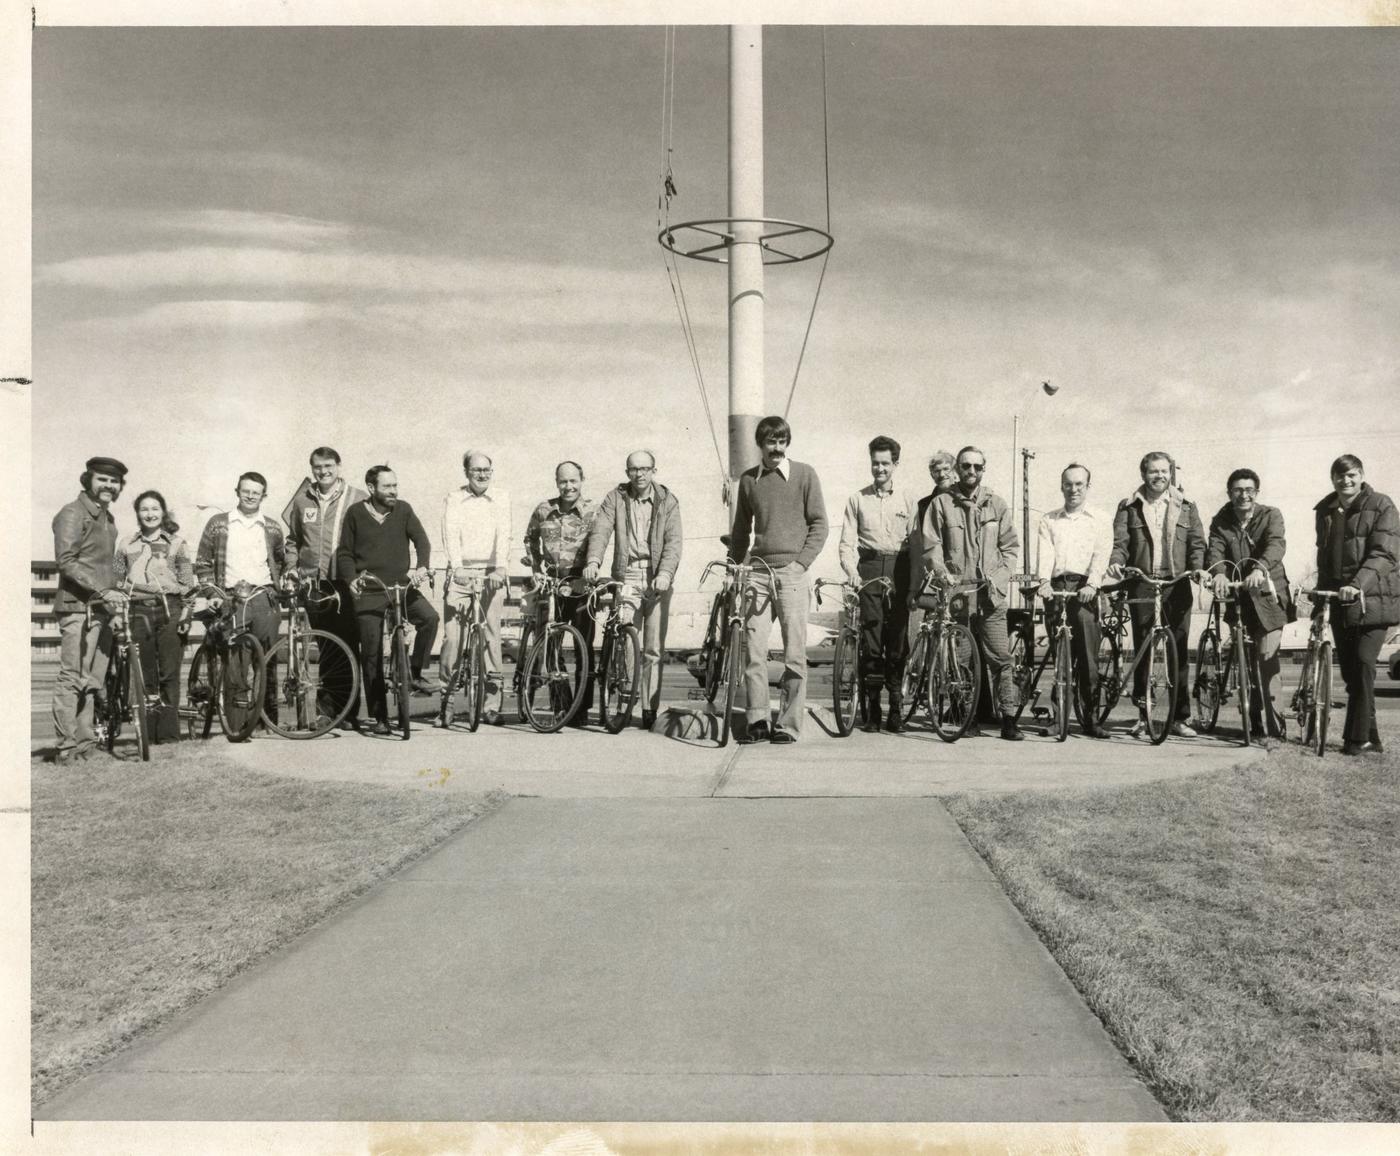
781 513
314 517
375 539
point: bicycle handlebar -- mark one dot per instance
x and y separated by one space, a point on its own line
1333 596
735 568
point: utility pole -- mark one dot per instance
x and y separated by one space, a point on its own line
1026 456
746 382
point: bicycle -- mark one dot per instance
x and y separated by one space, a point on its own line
398 675
947 674
1237 675
1020 639
1112 612
847 704
320 679
469 671
228 672
1063 690
722 654
1158 651
550 684
124 689
1312 701
619 658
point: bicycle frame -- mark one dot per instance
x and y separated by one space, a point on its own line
1056 642
1144 653
396 626
1312 701
729 664
848 704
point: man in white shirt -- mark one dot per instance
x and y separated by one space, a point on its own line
1074 547
240 551
875 544
476 536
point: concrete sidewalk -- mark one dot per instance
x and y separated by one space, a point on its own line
651 959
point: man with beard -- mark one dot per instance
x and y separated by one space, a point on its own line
84 545
375 539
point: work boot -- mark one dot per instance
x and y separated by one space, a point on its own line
1009 730
894 721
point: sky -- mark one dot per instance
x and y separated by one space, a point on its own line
410 242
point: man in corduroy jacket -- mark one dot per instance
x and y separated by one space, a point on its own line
643 520
1158 531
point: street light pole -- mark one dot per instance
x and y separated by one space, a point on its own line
746 392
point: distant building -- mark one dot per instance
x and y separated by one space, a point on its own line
43 625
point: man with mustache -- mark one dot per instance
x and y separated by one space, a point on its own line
84 545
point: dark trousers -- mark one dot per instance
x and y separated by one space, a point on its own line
264 620
884 621
1084 633
574 610
419 611
1176 617
154 629
340 621
1357 648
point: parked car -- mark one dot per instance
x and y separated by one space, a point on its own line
1388 661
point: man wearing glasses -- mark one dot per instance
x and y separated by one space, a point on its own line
643 519
968 536
476 536
780 510
1249 534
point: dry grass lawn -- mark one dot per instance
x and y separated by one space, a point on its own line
1238 933
154 884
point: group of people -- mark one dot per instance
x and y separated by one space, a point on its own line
960 532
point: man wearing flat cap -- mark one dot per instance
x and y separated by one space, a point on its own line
84 544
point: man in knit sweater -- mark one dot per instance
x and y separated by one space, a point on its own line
374 539
780 512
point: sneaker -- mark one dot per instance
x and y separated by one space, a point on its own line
380 727
1182 730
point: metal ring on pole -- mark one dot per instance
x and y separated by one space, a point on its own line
713 237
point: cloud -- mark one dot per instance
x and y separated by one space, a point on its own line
229 314
233 224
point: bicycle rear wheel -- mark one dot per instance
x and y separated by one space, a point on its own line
136 697
621 666
1108 686
712 652
320 679
1205 691
1064 688
845 681
1159 701
240 696
1241 675
202 690
556 673
954 683
914 682
1322 698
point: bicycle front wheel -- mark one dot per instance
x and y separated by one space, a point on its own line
399 682
1064 688
1159 700
712 652
914 681
1241 669
621 667
136 697
241 688
319 682
845 680
202 691
556 673
1322 698
1205 691
114 691
954 683
733 672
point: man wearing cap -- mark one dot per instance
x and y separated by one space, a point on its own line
84 545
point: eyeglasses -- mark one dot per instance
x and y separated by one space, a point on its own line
641 469
1243 490
486 473
975 467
